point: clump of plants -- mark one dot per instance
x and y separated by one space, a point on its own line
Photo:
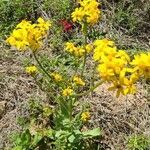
14 11
65 123
139 142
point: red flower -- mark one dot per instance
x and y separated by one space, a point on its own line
67 26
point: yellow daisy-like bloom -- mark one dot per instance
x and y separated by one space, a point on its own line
76 51
103 47
67 92
78 81
31 69
88 12
88 48
27 35
116 68
70 47
141 64
57 77
105 73
85 116
78 15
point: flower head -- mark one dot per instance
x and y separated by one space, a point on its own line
141 64
27 35
57 77
78 81
116 68
76 51
88 12
31 70
67 92
67 26
85 116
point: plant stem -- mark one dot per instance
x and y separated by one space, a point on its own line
90 90
70 109
45 72
93 75
85 42
40 65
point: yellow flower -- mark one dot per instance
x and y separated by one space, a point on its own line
117 86
104 47
57 77
123 55
27 35
141 64
104 43
43 24
129 87
105 73
79 51
78 15
70 46
88 48
85 116
78 81
128 80
31 69
76 51
87 12
67 92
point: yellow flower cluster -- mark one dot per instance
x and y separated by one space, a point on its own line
88 12
78 51
115 66
31 69
57 77
141 64
27 35
67 92
85 116
78 81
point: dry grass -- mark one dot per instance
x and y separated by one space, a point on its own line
16 88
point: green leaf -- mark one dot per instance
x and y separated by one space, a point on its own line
77 132
26 138
49 133
18 148
61 133
36 139
71 138
92 133
18 141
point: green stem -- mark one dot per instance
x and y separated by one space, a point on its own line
85 42
46 73
90 90
93 75
70 109
40 65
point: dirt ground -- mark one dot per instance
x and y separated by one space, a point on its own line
118 118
